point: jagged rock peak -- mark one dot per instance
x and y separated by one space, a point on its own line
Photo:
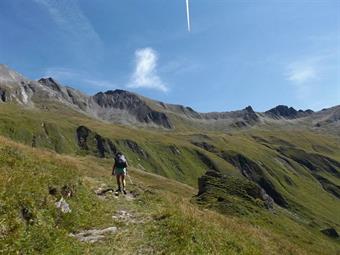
118 98
287 112
283 111
117 91
132 103
46 80
249 109
51 83
250 115
308 111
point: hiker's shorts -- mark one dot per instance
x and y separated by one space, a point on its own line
120 171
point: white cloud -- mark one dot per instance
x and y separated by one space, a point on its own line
310 68
308 74
303 74
145 74
300 73
70 18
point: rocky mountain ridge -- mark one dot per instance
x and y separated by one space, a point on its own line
124 107
283 111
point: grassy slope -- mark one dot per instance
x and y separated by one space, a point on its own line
171 223
311 205
306 196
59 134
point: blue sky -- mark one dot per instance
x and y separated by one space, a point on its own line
252 52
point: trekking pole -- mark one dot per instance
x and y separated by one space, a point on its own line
130 179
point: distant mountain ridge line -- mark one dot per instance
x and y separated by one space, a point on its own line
124 107
57 86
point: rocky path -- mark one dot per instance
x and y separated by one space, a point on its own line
121 218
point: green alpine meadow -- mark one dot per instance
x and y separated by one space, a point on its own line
197 185
157 127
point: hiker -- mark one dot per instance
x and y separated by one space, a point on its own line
119 169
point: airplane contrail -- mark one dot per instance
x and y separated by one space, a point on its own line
188 15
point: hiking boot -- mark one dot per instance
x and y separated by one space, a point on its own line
124 191
118 190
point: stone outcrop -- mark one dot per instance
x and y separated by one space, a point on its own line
94 143
283 111
254 172
215 185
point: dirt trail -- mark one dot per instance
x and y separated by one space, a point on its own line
121 218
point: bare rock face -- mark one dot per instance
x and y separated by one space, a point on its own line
3 96
250 115
116 106
94 143
14 87
283 111
53 90
52 84
132 104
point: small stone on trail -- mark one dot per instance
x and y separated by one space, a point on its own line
63 205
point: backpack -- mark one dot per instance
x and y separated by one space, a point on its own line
120 161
